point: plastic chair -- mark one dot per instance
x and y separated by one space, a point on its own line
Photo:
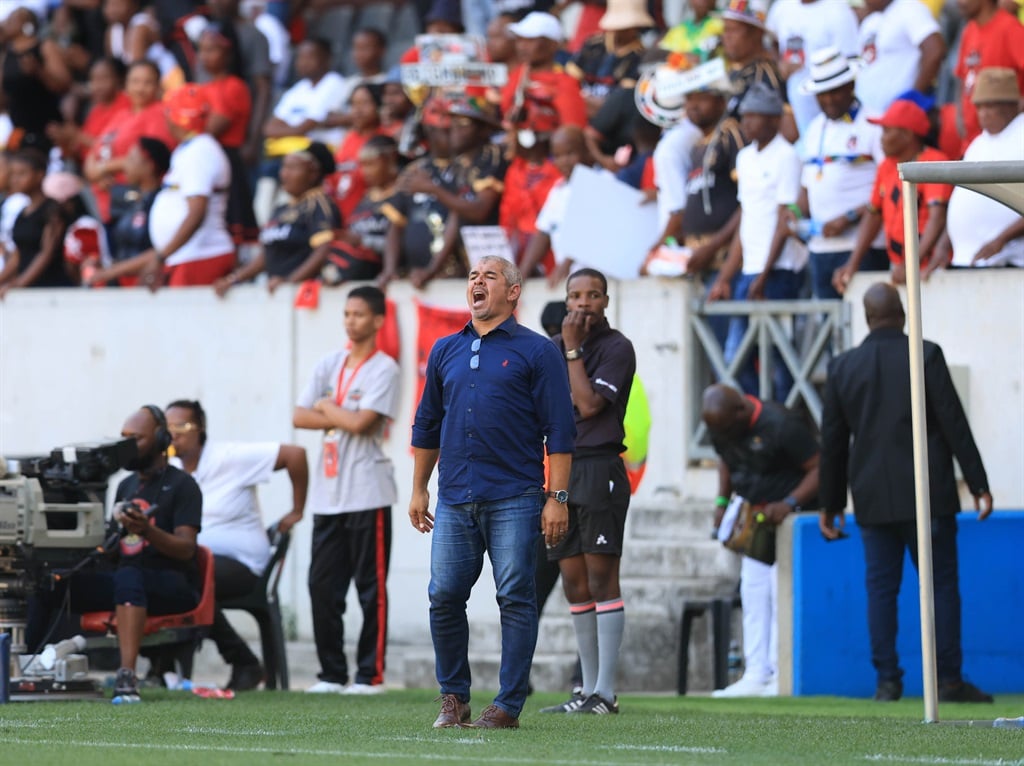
263 604
168 628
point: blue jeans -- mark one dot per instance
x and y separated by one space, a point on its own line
507 530
884 547
781 284
824 264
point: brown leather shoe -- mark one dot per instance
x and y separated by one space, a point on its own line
454 712
494 717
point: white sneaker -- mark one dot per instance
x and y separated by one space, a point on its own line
771 689
326 687
745 687
358 688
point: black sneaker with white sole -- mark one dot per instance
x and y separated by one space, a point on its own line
575 701
126 687
595 704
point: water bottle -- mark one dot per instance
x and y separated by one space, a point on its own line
735 661
1009 723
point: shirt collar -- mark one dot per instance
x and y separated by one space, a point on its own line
509 327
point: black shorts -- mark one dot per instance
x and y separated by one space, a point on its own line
598 501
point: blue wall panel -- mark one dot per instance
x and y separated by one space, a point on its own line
831 653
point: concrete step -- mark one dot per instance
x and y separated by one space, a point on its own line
689 523
676 559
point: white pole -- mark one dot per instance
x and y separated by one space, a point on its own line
920 426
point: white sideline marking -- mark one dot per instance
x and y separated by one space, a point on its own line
942 761
667 748
476 758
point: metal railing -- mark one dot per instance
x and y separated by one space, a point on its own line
822 329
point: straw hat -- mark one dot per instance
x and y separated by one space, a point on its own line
996 85
753 12
661 91
626 14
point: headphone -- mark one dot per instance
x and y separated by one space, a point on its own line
163 435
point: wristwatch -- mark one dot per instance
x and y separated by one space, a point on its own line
561 496
791 502
572 354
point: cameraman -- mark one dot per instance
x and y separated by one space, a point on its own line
154 572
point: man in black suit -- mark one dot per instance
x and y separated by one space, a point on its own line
867 440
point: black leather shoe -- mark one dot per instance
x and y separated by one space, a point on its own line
888 691
245 678
494 717
454 712
963 692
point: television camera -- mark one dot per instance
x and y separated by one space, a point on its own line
52 522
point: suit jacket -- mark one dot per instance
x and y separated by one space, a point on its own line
867 437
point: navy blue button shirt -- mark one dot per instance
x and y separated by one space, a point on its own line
490 422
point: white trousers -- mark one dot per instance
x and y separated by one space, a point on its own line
759 591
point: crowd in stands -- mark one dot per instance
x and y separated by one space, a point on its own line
168 142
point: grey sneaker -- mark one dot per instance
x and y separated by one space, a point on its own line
569 706
126 687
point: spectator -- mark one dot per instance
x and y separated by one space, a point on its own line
767 458
743 31
611 59
347 184
992 37
711 212
966 243
443 18
36 259
429 236
302 111
498 506
802 28
771 261
107 103
155 570
134 34
401 119
904 127
144 169
568 149
350 399
601 364
104 163
84 243
191 244
700 36
902 49
297 239
538 37
369 47
254 67
530 177
842 151
233 529
13 204
359 252
866 436
228 121
501 43
34 77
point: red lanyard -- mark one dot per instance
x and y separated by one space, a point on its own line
343 385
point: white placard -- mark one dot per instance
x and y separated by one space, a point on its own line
605 225
459 73
483 241
672 83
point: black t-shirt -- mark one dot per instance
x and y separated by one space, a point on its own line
711 187
610 362
600 70
179 503
765 464
483 170
27 234
425 216
296 229
615 118
131 232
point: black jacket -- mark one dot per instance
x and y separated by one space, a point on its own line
867 399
